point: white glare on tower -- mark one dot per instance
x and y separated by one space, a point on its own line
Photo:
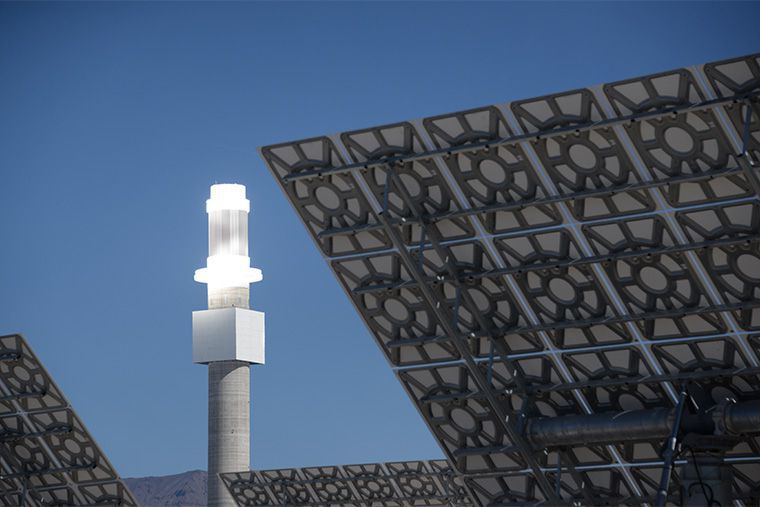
228 336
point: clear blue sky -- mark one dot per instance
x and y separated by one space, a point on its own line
116 117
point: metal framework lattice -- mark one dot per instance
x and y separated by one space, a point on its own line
584 252
400 484
47 457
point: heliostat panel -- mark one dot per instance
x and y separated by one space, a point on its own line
399 484
47 457
582 252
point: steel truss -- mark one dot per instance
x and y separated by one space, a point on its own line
47 456
410 483
575 255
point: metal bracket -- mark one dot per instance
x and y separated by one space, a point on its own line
745 134
386 191
24 488
13 436
421 251
457 302
669 451
489 376
558 479
53 470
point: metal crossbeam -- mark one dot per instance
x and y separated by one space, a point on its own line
582 261
653 380
517 138
46 471
12 436
595 321
552 199
18 396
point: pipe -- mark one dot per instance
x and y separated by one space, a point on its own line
743 418
639 425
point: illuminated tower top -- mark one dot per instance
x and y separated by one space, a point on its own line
228 330
228 270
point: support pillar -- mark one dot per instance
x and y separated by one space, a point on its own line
706 480
229 409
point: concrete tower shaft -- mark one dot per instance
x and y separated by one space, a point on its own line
228 337
229 425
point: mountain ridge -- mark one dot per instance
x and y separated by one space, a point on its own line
186 489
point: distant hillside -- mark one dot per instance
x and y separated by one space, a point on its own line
182 490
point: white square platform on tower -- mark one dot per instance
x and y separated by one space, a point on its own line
228 334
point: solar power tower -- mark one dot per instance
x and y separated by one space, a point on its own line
228 337
47 456
566 286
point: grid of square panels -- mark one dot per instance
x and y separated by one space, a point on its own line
600 485
398 484
44 447
582 252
